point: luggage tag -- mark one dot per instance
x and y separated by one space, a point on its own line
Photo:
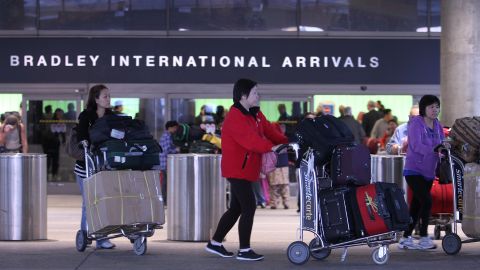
117 134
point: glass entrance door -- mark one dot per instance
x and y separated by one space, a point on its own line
48 122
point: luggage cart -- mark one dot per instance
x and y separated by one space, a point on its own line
452 243
137 233
299 252
442 222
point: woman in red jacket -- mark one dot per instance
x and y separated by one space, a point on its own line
246 135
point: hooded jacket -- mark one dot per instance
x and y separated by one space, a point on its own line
245 137
421 157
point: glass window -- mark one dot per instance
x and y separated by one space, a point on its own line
360 15
102 15
236 15
17 14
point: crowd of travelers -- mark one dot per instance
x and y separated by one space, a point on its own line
245 136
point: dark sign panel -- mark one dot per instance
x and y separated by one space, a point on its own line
219 60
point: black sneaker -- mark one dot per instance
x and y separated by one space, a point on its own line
219 250
249 256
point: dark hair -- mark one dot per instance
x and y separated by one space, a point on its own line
170 124
48 108
93 94
387 111
425 101
241 88
55 113
220 110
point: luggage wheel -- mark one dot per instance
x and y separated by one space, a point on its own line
381 254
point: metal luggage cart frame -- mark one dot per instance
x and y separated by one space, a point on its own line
137 233
299 252
452 243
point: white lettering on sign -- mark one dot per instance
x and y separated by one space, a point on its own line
201 61
53 60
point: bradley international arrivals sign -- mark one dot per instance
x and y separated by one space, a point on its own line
219 60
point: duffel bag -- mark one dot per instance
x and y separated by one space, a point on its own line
118 127
135 154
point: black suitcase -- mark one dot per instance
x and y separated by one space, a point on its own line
135 155
336 221
350 164
397 206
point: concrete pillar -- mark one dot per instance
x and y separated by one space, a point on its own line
460 59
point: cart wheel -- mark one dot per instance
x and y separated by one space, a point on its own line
140 245
318 254
298 253
380 255
436 232
451 244
81 241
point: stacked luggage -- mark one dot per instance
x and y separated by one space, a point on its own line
120 142
122 194
338 202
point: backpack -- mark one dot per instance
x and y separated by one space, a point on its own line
322 134
72 146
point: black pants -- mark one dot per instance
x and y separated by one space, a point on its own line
53 160
421 204
243 205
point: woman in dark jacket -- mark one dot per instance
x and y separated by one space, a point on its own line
98 105
246 135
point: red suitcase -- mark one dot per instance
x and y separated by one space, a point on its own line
372 216
442 198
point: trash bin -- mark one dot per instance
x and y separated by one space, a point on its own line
196 196
389 169
23 196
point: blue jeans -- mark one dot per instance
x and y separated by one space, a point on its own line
83 221
258 191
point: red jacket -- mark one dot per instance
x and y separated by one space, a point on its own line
243 142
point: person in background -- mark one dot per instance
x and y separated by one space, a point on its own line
53 137
279 179
219 115
71 114
13 136
246 135
399 140
166 142
341 110
425 133
392 125
98 105
369 118
381 125
48 113
319 110
353 124
282 110
118 108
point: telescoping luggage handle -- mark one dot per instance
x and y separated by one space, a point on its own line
89 165
445 147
